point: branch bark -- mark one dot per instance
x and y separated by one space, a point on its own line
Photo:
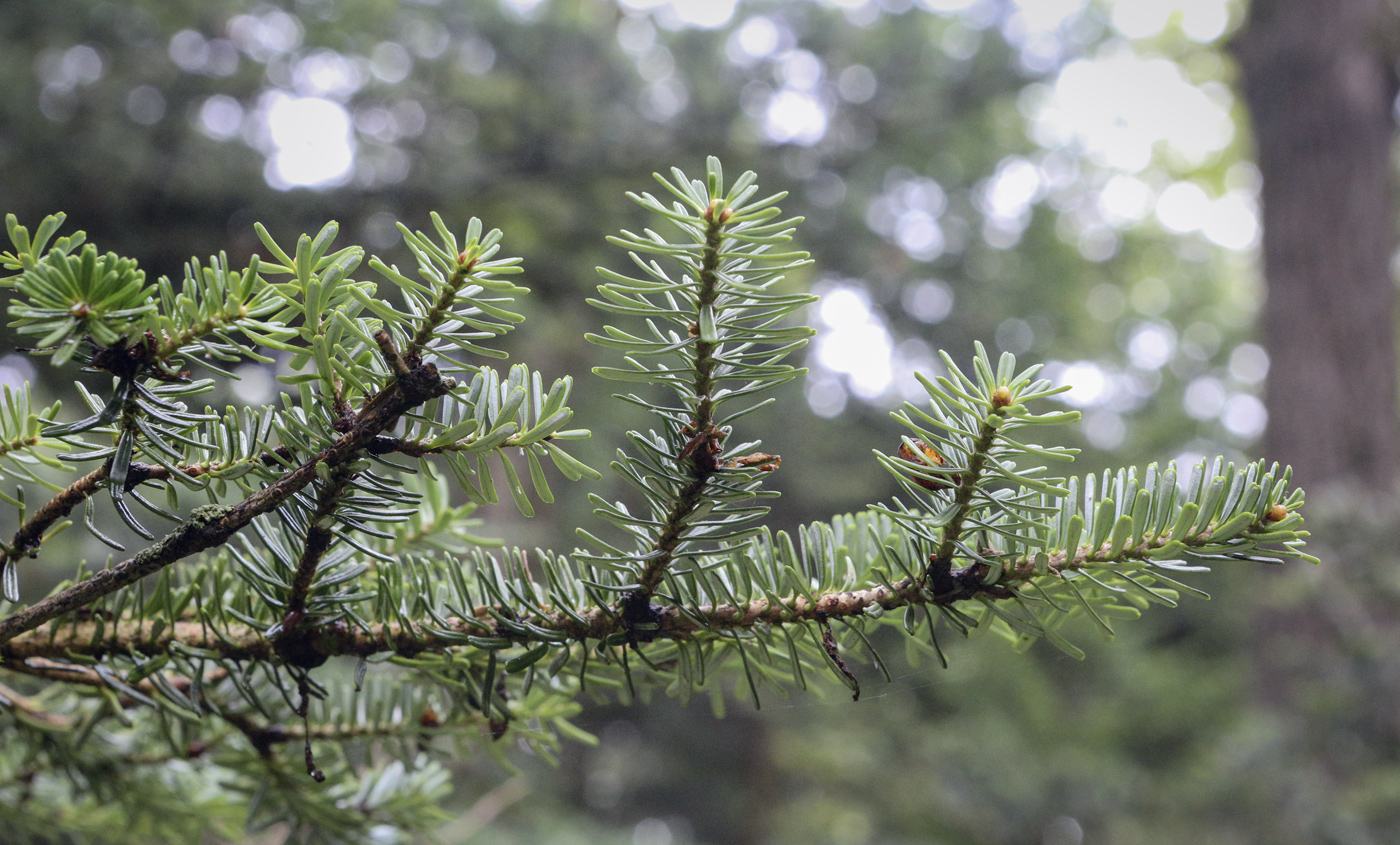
242 642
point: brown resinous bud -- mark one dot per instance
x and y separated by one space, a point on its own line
929 457
724 214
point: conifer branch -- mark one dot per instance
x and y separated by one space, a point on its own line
940 566
370 558
242 643
441 307
213 525
701 451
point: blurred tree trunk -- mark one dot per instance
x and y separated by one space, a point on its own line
1319 78
1320 82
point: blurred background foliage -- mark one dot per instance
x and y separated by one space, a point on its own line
1064 179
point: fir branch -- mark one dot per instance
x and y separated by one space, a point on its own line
26 539
231 316
442 306
20 443
265 737
207 654
55 670
22 435
968 485
242 642
701 451
723 318
213 525
170 345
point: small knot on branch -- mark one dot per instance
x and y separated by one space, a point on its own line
950 585
417 383
704 445
300 643
640 618
390 353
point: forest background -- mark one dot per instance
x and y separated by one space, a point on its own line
1181 206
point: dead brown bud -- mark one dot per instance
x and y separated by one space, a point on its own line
757 460
929 457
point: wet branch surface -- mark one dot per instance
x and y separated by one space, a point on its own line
31 533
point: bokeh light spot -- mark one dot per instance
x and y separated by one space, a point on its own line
857 84
794 117
674 14
1119 107
221 117
1104 429
1249 363
1244 416
310 139
1088 384
1151 345
255 384
1204 398
145 105
929 301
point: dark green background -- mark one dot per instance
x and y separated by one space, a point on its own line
1165 737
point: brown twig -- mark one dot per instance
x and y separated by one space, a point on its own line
30 709
833 653
241 642
295 642
318 541
70 673
31 533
